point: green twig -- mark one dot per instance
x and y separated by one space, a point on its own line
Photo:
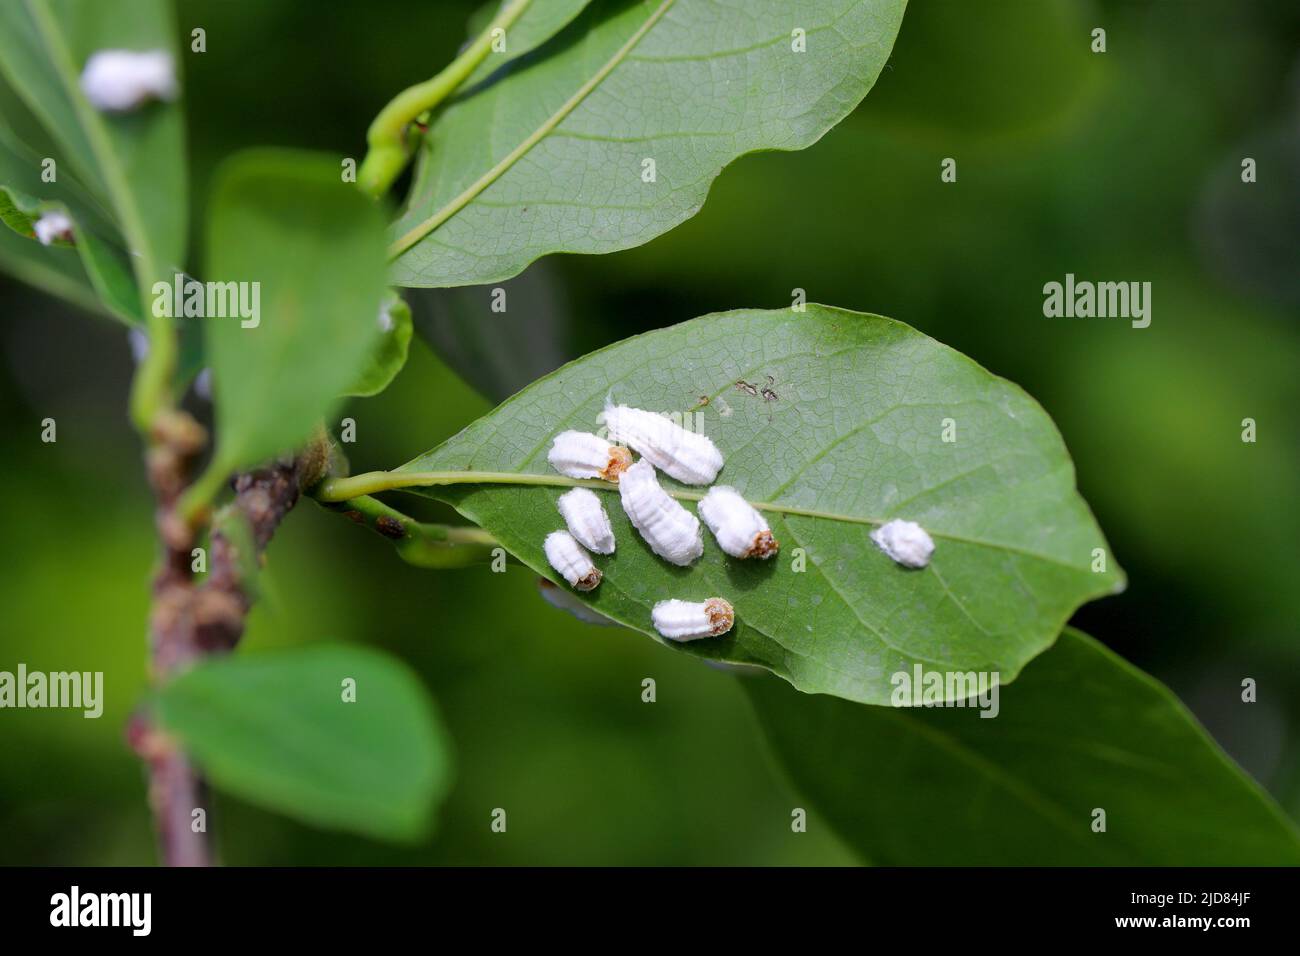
419 543
372 482
387 154
198 497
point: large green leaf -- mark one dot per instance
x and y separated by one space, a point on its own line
1081 730
854 438
275 729
284 219
547 156
133 161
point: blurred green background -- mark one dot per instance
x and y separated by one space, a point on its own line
1118 166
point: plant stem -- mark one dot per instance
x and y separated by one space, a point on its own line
388 154
419 543
371 482
152 385
175 791
198 497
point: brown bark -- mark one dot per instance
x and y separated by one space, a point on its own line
189 622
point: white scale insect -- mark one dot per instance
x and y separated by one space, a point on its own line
584 455
573 563
587 521
904 541
688 456
741 531
672 532
115 81
52 226
686 621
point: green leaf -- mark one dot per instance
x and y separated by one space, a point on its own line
314 244
133 161
1081 730
854 438
60 275
389 353
537 24
274 729
547 156
105 268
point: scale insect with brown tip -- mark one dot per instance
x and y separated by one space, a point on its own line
573 563
688 621
584 455
741 530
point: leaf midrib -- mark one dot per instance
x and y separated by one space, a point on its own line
341 489
426 226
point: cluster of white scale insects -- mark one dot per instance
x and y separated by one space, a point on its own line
671 531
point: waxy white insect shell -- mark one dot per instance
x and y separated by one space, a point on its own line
573 563
688 456
904 541
118 80
686 621
672 532
557 597
52 227
584 455
587 521
741 530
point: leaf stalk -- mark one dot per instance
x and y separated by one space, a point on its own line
387 153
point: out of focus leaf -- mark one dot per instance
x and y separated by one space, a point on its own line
276 729
105 267
285 220
133 162
1081 730
389 353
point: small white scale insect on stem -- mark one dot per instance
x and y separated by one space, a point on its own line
741 530
573 563
672 532
904 541
584 455
687 621
586 519
688 456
